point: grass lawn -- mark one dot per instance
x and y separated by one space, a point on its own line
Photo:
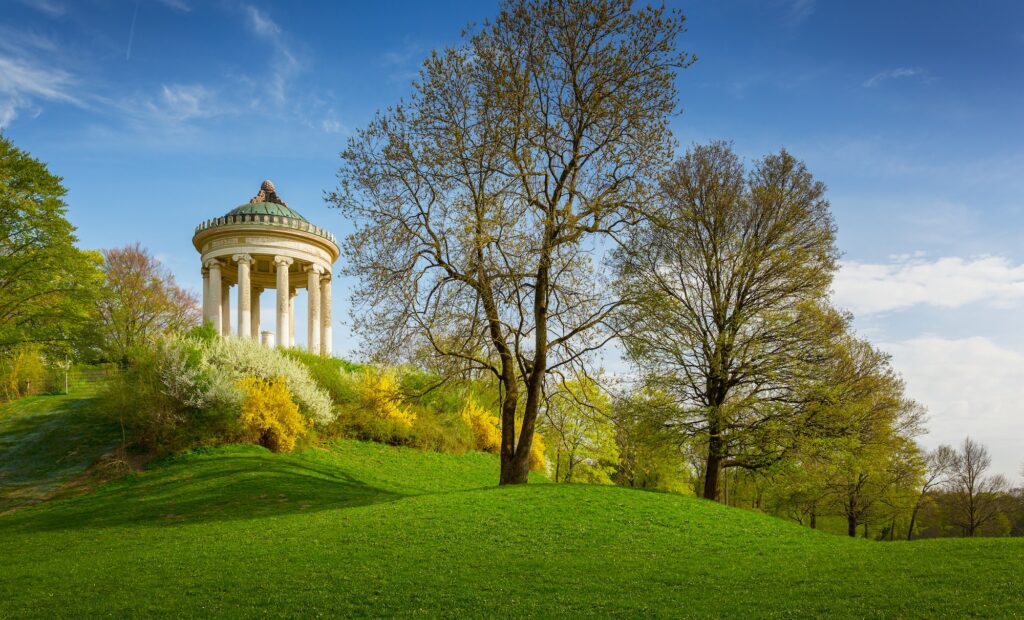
364 529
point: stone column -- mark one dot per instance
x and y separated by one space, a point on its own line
325 314
313 302
281 266
255 313
206 293
292 294
244 295
215 295
225 309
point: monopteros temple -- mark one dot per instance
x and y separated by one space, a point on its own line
260 245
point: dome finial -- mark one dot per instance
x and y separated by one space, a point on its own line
267 193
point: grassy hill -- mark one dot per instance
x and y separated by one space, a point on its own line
364 529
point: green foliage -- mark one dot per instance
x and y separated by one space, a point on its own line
47 285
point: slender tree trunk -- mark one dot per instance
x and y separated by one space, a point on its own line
814 520
913 519
851 525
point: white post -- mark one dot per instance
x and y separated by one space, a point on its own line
325 315
281 265
255 313
313 303
244 295
215 295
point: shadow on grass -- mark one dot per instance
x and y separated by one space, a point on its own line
244 483
47 440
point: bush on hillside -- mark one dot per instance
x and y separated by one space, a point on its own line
486 427
269 415
241 357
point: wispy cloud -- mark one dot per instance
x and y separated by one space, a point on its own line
50 8
22 83
177 5
907 281
895 74
798 11
284 64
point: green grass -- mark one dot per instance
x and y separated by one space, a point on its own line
366 529
46 442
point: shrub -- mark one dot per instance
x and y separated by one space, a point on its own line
537 460
335 375
486 428
241 357
269 415
378 393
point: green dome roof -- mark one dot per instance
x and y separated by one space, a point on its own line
266 208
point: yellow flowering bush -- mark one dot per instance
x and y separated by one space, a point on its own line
538 462
486 428
269 415
378 392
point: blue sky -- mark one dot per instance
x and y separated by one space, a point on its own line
162 113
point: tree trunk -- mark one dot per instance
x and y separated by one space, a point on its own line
913 519
814 520
713 471
851 526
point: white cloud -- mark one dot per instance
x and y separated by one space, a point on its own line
285 64
182 102
46 7
22 83
894 74
260 23
177 5
799 11
951 282
971 386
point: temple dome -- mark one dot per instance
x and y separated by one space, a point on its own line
266 208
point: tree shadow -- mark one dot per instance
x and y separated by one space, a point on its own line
224 487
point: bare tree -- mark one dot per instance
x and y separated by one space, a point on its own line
939 465
729 275
975 495
479 202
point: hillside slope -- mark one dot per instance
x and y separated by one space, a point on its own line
365 529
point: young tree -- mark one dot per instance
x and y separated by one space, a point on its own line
478 201
939 465
728 277
139 301
46 283
577 419
975 495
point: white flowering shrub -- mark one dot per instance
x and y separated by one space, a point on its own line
187 376
240 358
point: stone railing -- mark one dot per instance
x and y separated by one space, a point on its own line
278 221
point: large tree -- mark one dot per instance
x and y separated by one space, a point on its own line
46 283
729 276
139 301
479 201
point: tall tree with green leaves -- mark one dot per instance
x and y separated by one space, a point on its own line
728 276
478 202
47 284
